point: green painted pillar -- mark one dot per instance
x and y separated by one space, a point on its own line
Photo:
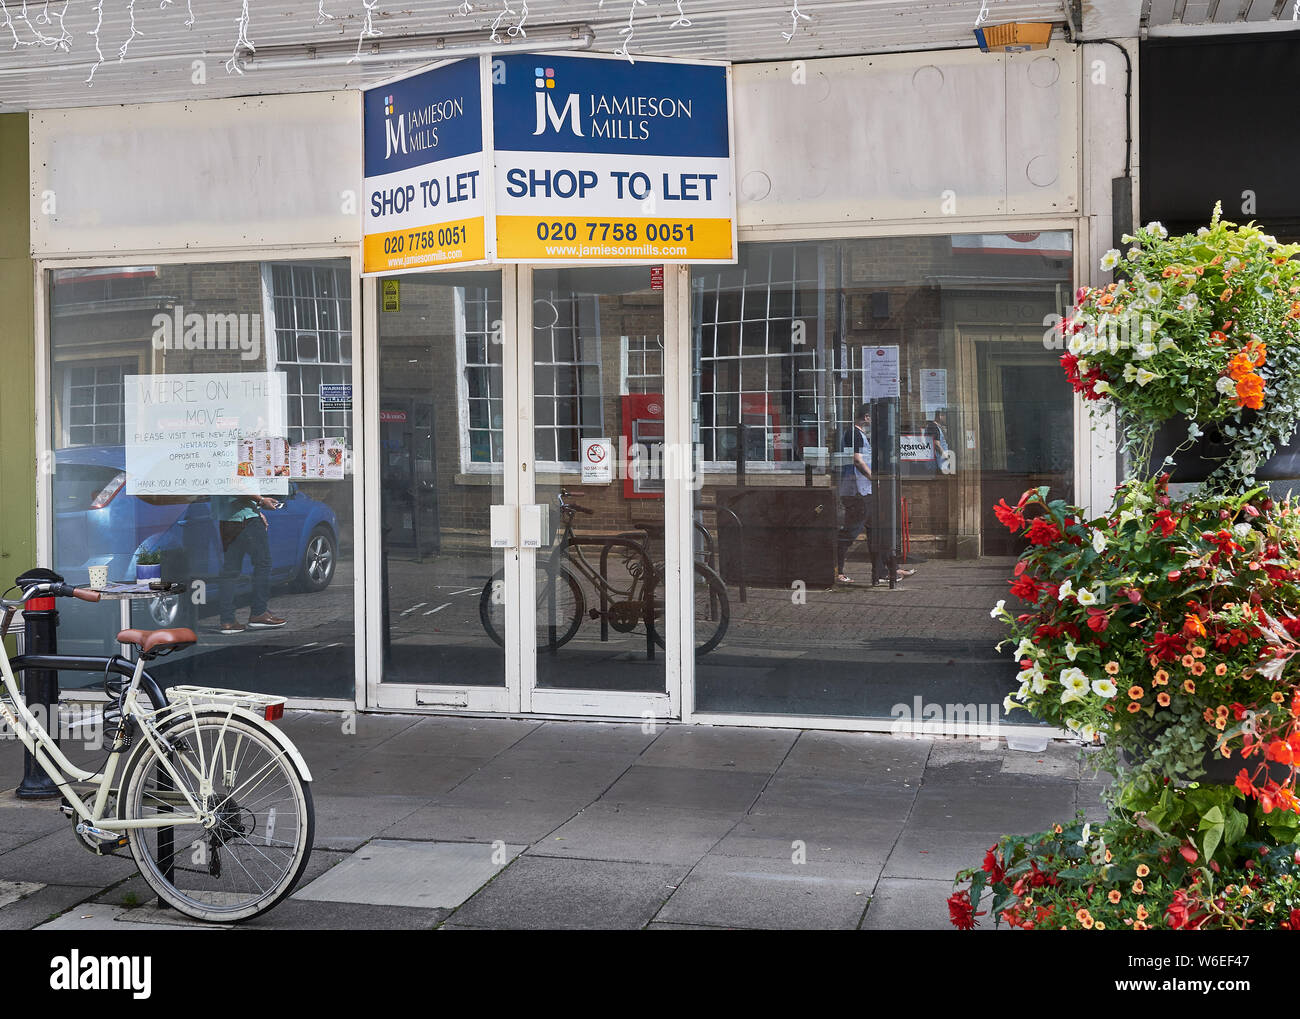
17 355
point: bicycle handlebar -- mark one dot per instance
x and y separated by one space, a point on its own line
570 506
59 591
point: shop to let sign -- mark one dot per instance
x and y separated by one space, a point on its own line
537 158
597 159
425 171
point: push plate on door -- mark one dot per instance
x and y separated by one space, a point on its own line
505 526
532 525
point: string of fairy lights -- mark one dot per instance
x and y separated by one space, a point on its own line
41 23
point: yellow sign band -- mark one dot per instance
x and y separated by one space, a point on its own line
606 238
430 246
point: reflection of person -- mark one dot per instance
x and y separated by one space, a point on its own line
936 430
243 530
855 495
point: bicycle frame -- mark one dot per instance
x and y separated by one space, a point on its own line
45 751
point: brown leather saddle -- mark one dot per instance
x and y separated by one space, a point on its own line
157 642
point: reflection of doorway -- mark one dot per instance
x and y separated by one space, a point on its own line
407 445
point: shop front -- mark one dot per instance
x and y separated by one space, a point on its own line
581 487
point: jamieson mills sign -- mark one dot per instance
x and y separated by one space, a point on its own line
591 159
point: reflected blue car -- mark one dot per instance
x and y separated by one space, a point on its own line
97 523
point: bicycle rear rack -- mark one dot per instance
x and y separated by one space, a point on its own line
268 706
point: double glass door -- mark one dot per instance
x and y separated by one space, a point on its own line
525 558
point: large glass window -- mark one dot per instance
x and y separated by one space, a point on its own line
859 407
178 395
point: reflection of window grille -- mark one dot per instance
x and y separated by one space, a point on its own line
312 322
93 398
566 377
642 364
758 366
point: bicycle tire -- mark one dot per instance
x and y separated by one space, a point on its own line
567 621
720 607
254 764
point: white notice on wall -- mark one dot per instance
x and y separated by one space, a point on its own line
915 448
879 373
934 389
185 434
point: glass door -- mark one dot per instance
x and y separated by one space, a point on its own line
446 398
600 617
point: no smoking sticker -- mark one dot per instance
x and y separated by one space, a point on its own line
597 461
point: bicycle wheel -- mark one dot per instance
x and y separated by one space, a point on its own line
254 853
712 610
570 607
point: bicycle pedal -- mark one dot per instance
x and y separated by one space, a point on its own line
107 839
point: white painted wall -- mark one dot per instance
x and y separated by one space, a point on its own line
219 174
882 138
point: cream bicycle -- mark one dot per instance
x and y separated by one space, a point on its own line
213 801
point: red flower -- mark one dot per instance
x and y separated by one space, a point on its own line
1025 588
1295 920
1180 913
1008 517
960 911
1043 532
993 866
1165 523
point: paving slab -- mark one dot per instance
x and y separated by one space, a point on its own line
515 823
909 904
710 748
848 754
862 841
771 894
720 791
836 797
1014 808
396 775
598 737
99 917
938 853
636 833
60 859
429 875
306 915
348 822
543 893
449 736
41 906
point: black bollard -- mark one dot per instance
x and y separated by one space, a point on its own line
40 686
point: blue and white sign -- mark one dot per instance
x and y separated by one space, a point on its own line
598 159
426 187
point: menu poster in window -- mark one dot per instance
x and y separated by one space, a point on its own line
879 373
317 460
185 433
934 389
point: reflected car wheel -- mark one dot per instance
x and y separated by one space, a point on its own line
171 610
318 560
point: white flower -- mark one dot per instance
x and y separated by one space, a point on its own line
1145 350
1071 652
1104 688
1226 386
1130 372
1144 376
1242 530
1026 649
1157 228
1088 733
1064 591
1101 387
1039 682
1166 344
1202 231
1023 692
1086 597
1085 834
1083 365
1099 541
1008 704
999 609
1074 685
1188 302
1109 260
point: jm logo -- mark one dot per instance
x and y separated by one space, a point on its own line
546 111
394 130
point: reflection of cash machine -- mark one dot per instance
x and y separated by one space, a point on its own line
643 432
409 492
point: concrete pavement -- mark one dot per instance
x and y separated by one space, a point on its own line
467 823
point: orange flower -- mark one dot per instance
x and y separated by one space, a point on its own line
1140 926
1220 669
1113 895
1174 270
1220 723
1257 351
1240 366
1162 678
1139 887
1217 337
1162 699
1189 686
1198 669
1226 296
1193 627
1198 651
1112 668
1142 871
1277 697
1250 391
1221 711
1208 715
1142 913
1135 693
1134 707
1188 661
